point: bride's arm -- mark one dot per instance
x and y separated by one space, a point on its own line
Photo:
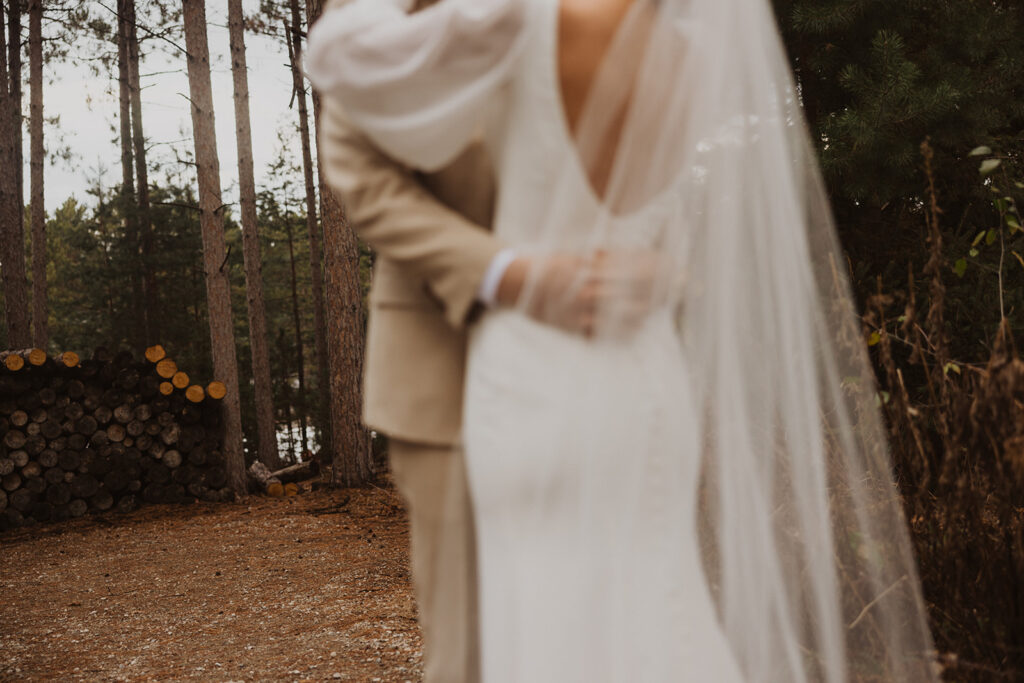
418 84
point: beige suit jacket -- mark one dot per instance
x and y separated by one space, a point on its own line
432 253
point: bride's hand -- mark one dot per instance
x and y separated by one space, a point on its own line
605 292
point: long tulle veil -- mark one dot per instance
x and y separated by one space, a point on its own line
806 547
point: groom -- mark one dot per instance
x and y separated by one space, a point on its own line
433 251
432 255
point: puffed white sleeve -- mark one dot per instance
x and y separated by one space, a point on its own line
418 84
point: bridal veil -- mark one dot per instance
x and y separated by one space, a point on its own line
695 110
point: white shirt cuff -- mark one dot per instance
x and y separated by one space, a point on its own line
487 294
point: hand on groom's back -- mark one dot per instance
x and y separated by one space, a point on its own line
606 293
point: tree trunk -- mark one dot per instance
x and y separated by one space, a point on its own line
131 230
351 454
315 239
124 99
40 310
218 290
267 434
12 219
150 322
14 55
298 472
299 355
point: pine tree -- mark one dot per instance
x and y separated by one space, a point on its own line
40 310
266 433
150 322
351 454
125 19
12 223
877 78
293 35
222 337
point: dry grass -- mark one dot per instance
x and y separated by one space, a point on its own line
957 431
309 588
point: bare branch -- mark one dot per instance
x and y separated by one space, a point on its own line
148 32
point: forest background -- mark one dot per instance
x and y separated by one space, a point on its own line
918 112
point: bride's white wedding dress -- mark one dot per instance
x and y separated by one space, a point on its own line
571 589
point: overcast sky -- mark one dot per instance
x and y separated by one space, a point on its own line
88 109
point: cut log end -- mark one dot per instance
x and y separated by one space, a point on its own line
166 368
180 380
37 357
155 354
261 479
172 458
195 393
166 388
69 359
216 390
77 507
14 362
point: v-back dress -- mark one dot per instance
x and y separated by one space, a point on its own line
571 587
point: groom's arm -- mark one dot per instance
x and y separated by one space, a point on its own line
393 213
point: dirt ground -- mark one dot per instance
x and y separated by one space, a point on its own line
309 588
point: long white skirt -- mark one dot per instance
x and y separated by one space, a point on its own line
583 465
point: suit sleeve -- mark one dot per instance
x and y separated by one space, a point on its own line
393 213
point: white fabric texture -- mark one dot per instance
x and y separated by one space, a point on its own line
418 84
703 493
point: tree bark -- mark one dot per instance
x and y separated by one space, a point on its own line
263 480
128 208
124 99
265 428
40 309
12 219
14 55
218 291
298 472
351 454
315 239
150 322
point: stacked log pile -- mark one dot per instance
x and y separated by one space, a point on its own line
106 433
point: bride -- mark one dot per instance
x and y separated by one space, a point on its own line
675 456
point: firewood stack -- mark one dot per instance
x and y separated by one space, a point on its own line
104 433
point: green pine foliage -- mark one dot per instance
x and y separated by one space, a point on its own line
879 77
